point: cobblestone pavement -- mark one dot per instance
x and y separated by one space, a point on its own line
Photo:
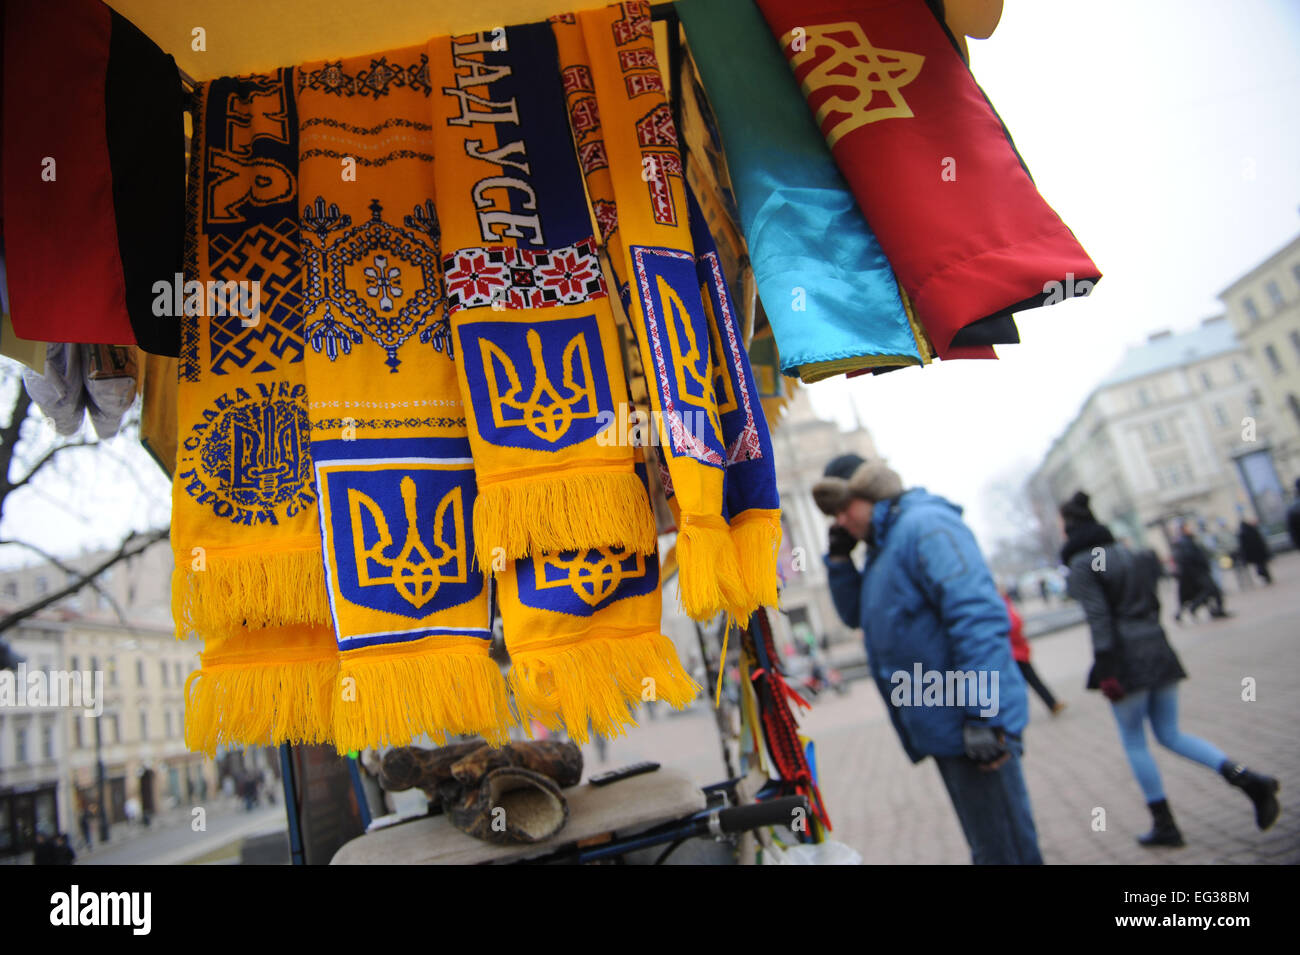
894 812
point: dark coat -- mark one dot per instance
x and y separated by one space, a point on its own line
1254 549
1293 521
1194 577
1123 611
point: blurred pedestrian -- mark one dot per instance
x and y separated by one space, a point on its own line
927 604
1293 517
42 850
1020 653
87 826
63 852
1137 670
1196 586
1254 549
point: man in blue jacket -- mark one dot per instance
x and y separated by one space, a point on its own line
936 633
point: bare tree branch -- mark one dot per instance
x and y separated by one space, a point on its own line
112 601
134 544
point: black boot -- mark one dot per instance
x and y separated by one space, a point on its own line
1163 832
1262 791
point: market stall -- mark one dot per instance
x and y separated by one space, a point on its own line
461 324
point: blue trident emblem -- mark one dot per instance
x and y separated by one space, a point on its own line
265 453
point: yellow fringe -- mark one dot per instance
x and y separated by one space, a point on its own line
259 704
757 534
565 512
708 579
397 696
598 682
254 590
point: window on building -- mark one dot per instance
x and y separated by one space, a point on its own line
1295 342
1294 404
1273 361
1206 383
72 664
78 722
47 742
1237 372
112 672
1248 304
139 673
1220 416
167 722
1158 433
42 584
162 669
1274 294
112 729
1144 398
144 726
11 588
180 673
20 744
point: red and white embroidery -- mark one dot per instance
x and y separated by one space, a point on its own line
746 447
507 277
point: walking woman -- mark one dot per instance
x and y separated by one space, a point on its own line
1021 654
1136 668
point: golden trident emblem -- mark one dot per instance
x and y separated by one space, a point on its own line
858 64
549 421
591 582
415 573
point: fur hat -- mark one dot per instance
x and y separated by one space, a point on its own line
849 476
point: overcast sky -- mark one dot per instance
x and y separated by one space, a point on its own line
1166 133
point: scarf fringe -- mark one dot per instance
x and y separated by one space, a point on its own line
259 704
708 578
398 696
255 590
565 512
598 682
757 534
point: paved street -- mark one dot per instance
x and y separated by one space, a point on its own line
175 842
894 812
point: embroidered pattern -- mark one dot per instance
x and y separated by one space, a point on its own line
376 81
635 22
374 278
657 137
268 254
364 130
523 278
746 446
387 424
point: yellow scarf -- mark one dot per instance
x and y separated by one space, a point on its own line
391 448
243 506
539 364
627 146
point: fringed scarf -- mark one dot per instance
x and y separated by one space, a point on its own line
627 145
392 454
752 502
541 371
243 505
248 570
540 358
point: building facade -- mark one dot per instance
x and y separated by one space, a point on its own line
113 691
1264 308
1174 432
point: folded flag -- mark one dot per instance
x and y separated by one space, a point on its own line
752 503
539 356
390 446
583 631
94 176
826 285
244 525
933 169
630 150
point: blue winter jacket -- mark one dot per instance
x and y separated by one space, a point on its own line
926 597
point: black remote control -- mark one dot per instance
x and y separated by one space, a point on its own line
614 775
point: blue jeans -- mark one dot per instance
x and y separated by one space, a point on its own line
1160 706
993 809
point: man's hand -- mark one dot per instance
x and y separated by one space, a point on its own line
841 542
985 746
